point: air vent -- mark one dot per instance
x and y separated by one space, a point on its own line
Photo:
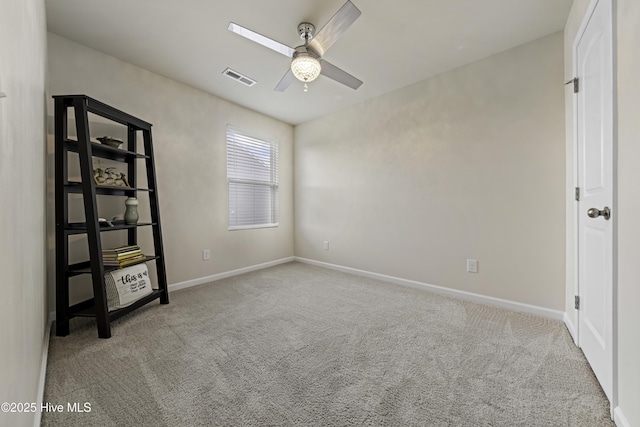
239 77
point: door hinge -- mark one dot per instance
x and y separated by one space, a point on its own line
577 302
577 194
576 84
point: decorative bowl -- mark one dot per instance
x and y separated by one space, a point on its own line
111 142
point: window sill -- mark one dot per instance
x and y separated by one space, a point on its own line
252 227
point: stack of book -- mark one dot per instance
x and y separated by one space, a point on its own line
122 256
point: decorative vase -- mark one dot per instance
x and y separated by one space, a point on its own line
131 213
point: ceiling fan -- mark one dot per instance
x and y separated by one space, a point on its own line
307 62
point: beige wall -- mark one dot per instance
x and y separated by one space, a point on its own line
23 308
468 164
628 175
189 142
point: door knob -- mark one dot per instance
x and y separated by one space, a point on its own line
595 213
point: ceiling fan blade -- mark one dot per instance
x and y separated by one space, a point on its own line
339 75
259 38
333 29
286 81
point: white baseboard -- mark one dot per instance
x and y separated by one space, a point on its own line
43 370
224 275
469 296
572 330
619 418
482 299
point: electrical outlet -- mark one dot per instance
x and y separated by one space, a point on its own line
206 254
472 266
326 245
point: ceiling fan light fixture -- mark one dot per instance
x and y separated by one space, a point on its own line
305 67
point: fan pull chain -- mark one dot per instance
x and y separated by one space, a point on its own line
306 88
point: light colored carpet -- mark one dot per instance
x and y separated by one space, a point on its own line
305 346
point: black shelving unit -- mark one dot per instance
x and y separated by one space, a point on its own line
81 106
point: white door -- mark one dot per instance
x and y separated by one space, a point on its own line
595 139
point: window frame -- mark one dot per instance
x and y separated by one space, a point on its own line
234 135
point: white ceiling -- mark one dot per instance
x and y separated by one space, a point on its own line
393 44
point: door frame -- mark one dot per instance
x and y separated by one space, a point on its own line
575 213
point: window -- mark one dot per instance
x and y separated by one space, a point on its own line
252 176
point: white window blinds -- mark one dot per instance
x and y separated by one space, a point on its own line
252 176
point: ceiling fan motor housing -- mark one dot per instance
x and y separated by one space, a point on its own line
305 51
